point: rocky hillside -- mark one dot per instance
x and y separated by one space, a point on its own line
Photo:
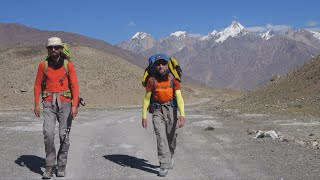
106 80
297 92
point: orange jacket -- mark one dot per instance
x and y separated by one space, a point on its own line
56 81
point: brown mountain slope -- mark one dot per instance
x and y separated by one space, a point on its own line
298 92
105 80
16 34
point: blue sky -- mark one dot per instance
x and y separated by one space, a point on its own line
118 20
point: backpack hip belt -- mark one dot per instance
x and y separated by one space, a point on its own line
155 105
158 105
56 97
66 94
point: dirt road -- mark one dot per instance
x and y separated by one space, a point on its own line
214 144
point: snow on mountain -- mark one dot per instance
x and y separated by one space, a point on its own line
139 35
233 30
267 35
174 42
138 42
179 33
316 34
209 36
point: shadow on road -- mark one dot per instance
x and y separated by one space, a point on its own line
34 163
132 162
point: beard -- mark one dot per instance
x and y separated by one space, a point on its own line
162 77
54 55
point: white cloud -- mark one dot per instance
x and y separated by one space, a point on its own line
278 28
257 29
195 35
317 29
131 23
311 23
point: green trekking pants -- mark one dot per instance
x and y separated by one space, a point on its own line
165 125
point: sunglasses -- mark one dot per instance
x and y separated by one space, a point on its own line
53 47
160 62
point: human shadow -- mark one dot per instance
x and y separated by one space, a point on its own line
34 163
132 162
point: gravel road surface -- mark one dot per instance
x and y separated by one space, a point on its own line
214 144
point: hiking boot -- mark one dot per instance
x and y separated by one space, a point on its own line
163 172
61 171
48 172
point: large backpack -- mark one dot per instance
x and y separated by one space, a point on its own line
149 72
173 66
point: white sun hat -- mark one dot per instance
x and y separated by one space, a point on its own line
54 41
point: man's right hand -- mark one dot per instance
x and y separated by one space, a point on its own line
144 123
37 110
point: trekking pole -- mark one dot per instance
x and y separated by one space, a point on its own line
69 122
66 133
70 118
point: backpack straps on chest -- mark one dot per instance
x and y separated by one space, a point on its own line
65 65
66 93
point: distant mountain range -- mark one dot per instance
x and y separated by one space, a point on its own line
234 57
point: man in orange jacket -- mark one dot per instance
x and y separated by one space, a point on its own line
165 94
60 103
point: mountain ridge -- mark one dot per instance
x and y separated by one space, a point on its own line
12 34
236 58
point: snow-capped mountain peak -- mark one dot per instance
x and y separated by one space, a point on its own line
179 33
233 30
214 32
139 42
139 35
209 36
236 25
315 34
267 35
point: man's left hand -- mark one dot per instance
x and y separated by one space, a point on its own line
74 111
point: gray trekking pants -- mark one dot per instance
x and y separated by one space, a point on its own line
52 114
165 125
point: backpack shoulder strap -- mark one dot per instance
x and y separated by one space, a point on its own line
171 80
173 102
65 65
46 64
153 84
